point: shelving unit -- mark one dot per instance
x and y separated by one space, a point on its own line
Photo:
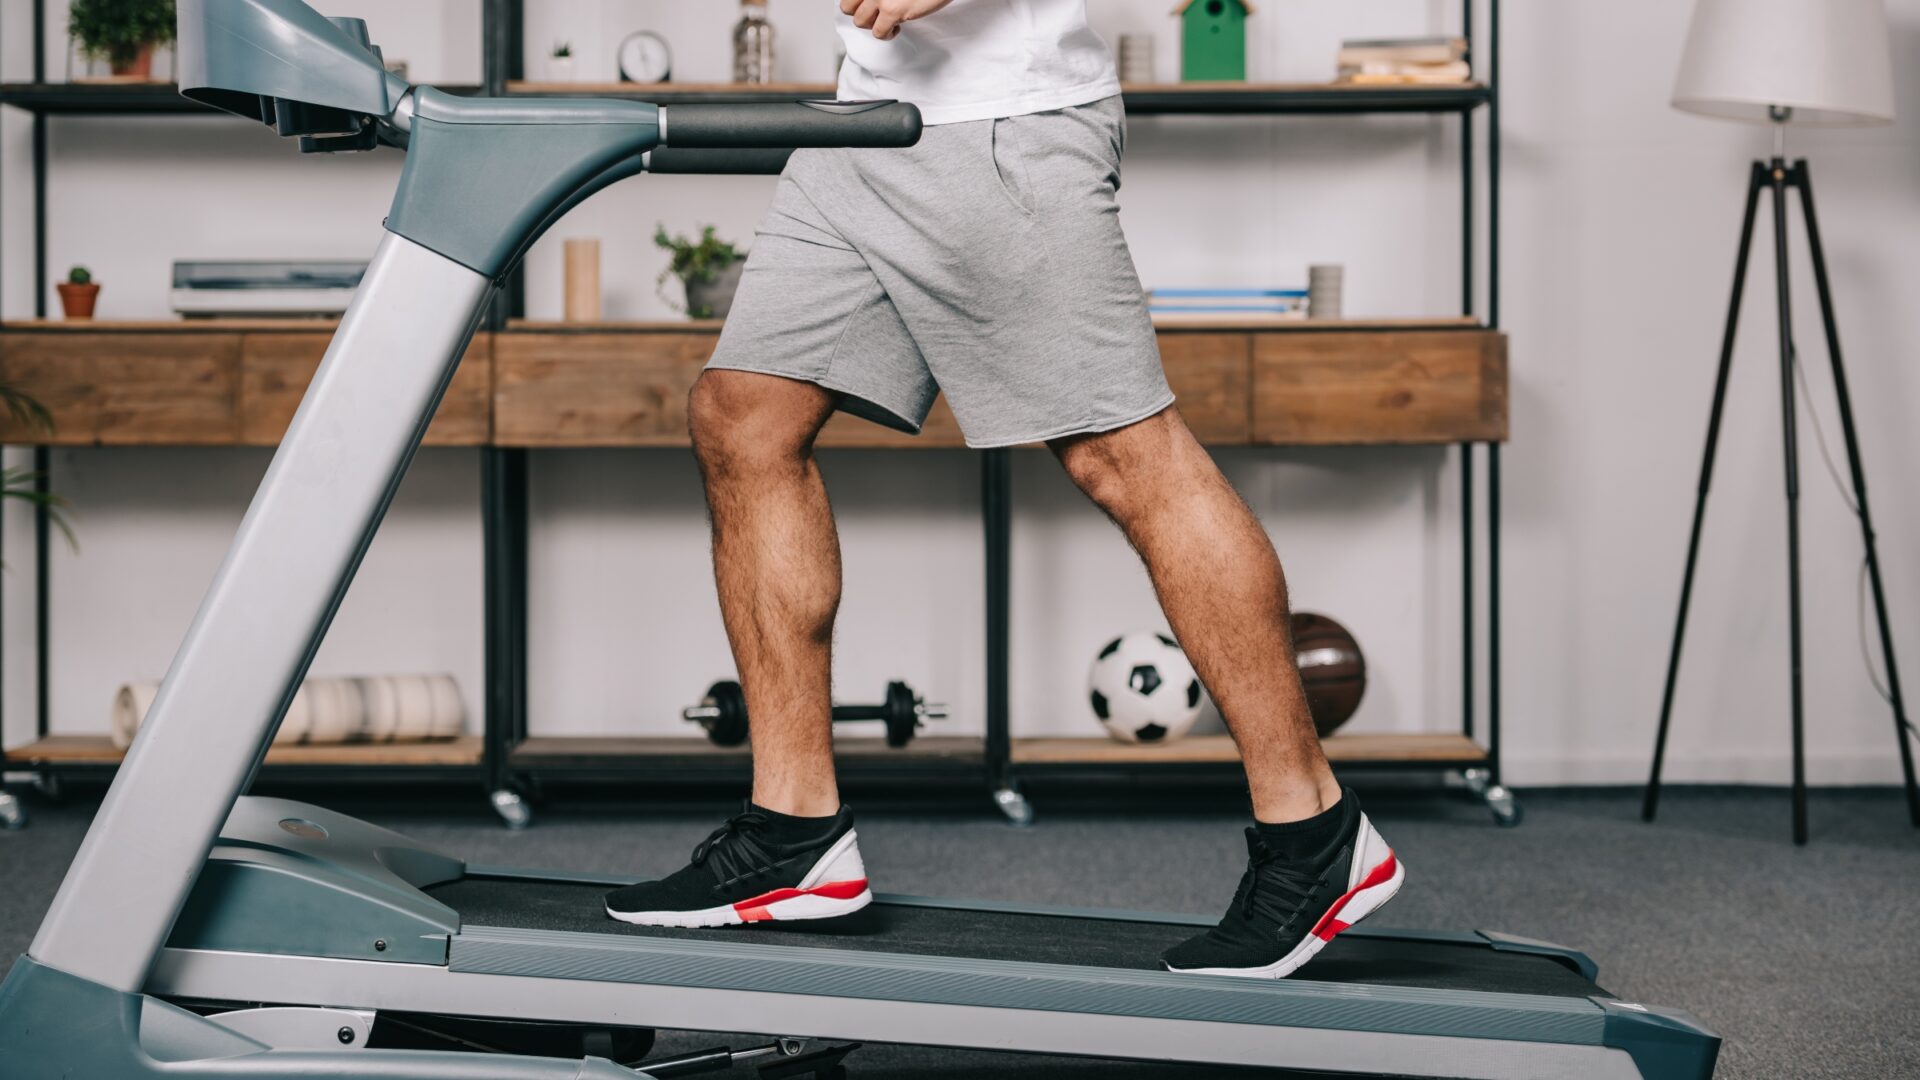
508 761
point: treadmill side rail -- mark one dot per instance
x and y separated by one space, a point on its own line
56 1025
1666 1044
1572 958
910 1018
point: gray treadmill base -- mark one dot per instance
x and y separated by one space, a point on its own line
56 1025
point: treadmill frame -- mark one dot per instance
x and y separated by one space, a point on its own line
860 995
304 889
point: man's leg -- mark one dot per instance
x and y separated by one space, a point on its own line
776 559
792 854
1315 864
1223 592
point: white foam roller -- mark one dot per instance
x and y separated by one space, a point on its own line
386 720
383 708
337 713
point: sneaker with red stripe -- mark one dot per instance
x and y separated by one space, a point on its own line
1286 911
745 873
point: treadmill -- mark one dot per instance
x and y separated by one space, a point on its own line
201 933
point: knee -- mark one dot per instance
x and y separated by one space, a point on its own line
1120 469
1098 471
737 429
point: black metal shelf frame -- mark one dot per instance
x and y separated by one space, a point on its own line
505 481
502 32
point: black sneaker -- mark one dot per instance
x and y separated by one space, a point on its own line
1285 912
742 874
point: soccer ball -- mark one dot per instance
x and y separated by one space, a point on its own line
1143 689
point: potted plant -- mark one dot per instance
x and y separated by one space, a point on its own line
122 32
79 293
560 62
709 268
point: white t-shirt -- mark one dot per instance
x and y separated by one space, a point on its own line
983 60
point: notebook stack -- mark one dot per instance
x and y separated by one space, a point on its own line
1427 61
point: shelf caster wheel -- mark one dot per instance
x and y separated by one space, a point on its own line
1505 808
13 814
49 787
513 810
1014 805
1500 801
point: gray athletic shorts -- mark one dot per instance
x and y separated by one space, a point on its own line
986 262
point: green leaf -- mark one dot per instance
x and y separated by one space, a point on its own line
17 483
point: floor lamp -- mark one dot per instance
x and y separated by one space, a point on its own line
1781 62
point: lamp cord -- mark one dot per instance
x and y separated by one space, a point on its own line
1846 496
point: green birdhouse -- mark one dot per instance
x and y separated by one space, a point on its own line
1213 40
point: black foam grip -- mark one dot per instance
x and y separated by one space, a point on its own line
673 159
792 124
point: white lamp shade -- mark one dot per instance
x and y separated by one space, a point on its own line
1830 61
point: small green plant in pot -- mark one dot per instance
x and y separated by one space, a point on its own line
124 33
79 293
560 62
709 268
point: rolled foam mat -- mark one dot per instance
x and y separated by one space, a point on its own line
377 708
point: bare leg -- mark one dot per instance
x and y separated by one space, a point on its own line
1223 592
776 559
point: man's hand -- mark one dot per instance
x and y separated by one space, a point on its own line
884 17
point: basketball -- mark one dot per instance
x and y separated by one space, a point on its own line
1332 669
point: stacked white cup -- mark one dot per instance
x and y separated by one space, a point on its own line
1324 281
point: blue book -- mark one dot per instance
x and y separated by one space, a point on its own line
1228 294
1229 309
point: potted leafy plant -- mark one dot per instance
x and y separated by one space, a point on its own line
122 32
79 293
709 268
22 482
560 62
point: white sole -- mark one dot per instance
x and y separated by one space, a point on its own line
1346 912
782 905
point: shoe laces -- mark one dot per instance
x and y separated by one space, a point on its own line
735 848
1273 888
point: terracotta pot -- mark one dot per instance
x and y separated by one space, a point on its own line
141 66
78 300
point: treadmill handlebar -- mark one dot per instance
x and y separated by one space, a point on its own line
672 159
790 125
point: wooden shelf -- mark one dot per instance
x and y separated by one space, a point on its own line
1142 98
679 93
99 750
130 98
1358 749
173 326
1172 321
1241 382
120 98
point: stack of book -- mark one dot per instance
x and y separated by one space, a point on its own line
1405 61
1267 303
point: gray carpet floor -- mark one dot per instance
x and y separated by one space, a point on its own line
1806 960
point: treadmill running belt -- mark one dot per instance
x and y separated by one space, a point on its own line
997 935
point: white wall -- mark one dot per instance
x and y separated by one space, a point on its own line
1620 226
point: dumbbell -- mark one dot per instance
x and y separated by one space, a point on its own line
723 712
